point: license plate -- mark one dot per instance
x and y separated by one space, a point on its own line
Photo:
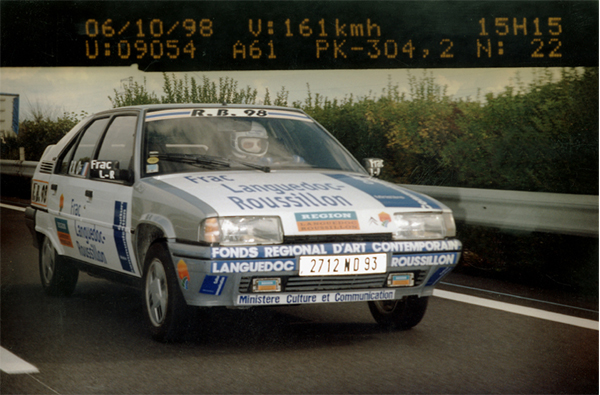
339 265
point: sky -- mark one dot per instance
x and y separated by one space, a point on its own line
70 89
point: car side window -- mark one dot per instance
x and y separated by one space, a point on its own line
117 145
79 162
65 159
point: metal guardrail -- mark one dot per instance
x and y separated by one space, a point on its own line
22 168
510 210
516 210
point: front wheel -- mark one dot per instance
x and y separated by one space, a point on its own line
59 277
399 314
164 305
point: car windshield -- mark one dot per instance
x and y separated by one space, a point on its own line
186 140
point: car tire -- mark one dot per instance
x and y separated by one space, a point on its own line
58 276
399 314
164 305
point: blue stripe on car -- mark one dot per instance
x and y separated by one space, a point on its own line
386 195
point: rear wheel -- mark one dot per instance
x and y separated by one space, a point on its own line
164 305
399 314
59 277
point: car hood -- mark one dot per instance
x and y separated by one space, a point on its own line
306 202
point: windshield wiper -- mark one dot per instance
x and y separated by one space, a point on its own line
210 162
253 165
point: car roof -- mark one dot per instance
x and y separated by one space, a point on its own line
156 107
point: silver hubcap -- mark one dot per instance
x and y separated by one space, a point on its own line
48 262
156 292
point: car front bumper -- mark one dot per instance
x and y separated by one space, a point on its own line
269 275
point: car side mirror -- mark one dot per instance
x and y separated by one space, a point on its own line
373 166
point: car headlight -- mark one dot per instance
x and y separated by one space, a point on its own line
419 226
241 230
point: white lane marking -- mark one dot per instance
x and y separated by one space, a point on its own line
519 297
11 207
44 384
11 364
511 308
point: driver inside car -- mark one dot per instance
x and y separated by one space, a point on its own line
253 144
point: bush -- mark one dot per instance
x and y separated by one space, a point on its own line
188 90
542 137
36 135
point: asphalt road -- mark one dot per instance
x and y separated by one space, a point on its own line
94 343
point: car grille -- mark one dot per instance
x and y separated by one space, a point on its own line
329 283
333 283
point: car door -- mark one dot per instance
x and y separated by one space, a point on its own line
94 200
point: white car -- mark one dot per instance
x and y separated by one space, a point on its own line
237 206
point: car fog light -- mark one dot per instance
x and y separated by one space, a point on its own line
266 284
401 280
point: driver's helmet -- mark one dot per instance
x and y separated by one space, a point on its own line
250 144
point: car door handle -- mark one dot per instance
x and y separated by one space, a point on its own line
89 194
54 187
